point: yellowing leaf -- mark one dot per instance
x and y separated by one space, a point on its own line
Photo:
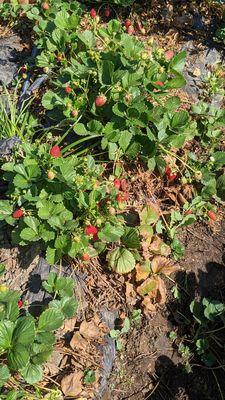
147 287
149 215
142 271
147 232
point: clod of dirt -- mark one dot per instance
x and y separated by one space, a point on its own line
10 49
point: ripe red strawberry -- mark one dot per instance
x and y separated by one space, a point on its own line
124 185
127 23
55 152
107 12
212 215
45 6
85 257
130 30
74 113
95 237
93 13
168 171
68 89
172 177
169 55
100 100
20 303
18 213
122 197
159 83
117 183
91 230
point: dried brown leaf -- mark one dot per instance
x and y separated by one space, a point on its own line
71 385
162 265
131 296
89 330
78 342
142 271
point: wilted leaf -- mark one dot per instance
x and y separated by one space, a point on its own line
147 287
147 232
142 271
161 265
72 384
131 296
148 305
78 342
161 292
149 215
159 247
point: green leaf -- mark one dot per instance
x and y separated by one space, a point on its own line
18 357
32 373
112 151
51 255
50 320
124 140
176 83
121 260
66 305
61 19
180 119
47 338
172 103
28 234
178 62
4 374
110 233
49 100
220 186
131 238
6 209
6 332
24 331
81 130
106 73
149 215
88 38
20 182
32 222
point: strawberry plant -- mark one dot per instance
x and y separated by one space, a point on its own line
62 202
26 342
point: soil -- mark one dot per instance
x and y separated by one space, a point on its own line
150 367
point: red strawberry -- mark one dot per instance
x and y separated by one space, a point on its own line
168 171
126 196
68 89
18 213
20 303
93 13
188 212
159 83
130 30
55 152
169 54
45 6
212 215
117 183
100 100
95 237
127 23
172 177
122 197
139 26
91 230
107 12
85 257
